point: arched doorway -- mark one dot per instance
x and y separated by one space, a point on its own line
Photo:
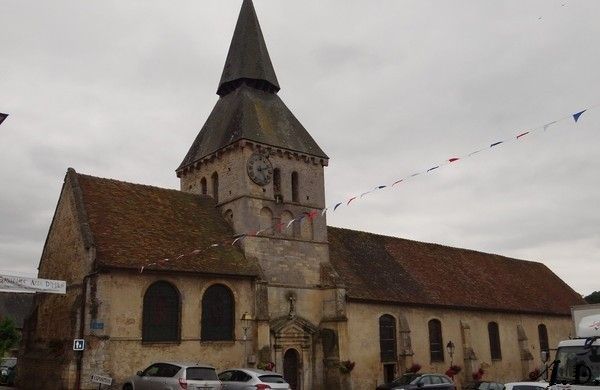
291 368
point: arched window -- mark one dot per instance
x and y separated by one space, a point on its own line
161 313
277 184
218 314
295 194
203 187
215 186
266 220
387 338
543 336
436 342
494 333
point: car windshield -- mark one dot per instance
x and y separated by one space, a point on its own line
578 365
271 378
201 374
8 363
405 379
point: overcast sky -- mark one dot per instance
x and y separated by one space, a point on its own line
387 88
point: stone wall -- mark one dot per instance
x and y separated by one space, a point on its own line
47 360
468 330
117 349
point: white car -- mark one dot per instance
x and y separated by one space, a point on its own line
174 376
526 386
250 378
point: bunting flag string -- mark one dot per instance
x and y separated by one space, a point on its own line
313 214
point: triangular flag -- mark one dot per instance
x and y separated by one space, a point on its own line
549 124
3 117
238 239
337 205
522 134
324 211
496 143
397 182
577 115
431 169
453 159
351 199
380 187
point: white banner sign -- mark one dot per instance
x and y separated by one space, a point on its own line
103 380
21 283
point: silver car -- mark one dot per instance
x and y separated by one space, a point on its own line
174 376
251 379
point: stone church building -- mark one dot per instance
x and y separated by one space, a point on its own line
152 273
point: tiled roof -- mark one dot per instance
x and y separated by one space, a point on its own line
255 115
133 225
395 270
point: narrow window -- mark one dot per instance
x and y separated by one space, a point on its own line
277 185
387 338
295 195
203 186
494 333
266 220
543 335
215 185
436 342
218 313
160 313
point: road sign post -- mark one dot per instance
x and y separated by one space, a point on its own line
78 345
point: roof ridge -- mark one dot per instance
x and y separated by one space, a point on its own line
439 245
143 185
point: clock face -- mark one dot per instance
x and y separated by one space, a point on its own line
260 169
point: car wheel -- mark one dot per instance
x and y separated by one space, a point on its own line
127 386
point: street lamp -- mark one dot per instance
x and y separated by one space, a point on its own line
450 348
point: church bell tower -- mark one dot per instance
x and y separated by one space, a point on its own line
261 165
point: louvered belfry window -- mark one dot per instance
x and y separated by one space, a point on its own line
543 335
494 333
387 338
218 314
436 342
161 313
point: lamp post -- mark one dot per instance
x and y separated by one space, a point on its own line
450 348
246 323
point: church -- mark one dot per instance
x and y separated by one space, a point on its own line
224 272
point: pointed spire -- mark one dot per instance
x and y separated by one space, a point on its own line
248 59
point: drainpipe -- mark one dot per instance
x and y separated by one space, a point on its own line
80 333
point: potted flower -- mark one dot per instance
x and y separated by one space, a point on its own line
453 370
414 368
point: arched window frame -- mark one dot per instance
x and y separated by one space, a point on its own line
215 186
543 337
277 185
494 336
203 186
436 340
220 329
156 308
295 187
388 342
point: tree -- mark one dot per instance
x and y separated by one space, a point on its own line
593 297
9 336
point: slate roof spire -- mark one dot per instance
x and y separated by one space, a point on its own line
248 59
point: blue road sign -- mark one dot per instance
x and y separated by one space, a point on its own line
78 345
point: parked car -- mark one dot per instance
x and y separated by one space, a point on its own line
174 376
8 371
250 378
412 381
526 386
485 385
